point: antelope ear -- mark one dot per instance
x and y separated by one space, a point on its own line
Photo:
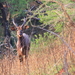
13 28
26 27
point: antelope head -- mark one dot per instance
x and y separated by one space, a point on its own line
19 28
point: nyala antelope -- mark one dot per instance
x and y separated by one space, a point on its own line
23 40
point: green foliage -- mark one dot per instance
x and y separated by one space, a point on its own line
51 18
50 3
17 6
58 28
44 40
47 19
2 1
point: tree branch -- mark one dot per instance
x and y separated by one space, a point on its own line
68 46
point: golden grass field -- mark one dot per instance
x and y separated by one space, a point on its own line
44 60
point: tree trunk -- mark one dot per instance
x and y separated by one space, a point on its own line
4 12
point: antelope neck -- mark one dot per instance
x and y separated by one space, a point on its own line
20 40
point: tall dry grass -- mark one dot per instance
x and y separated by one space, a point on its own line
41 63
44 60
38 63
